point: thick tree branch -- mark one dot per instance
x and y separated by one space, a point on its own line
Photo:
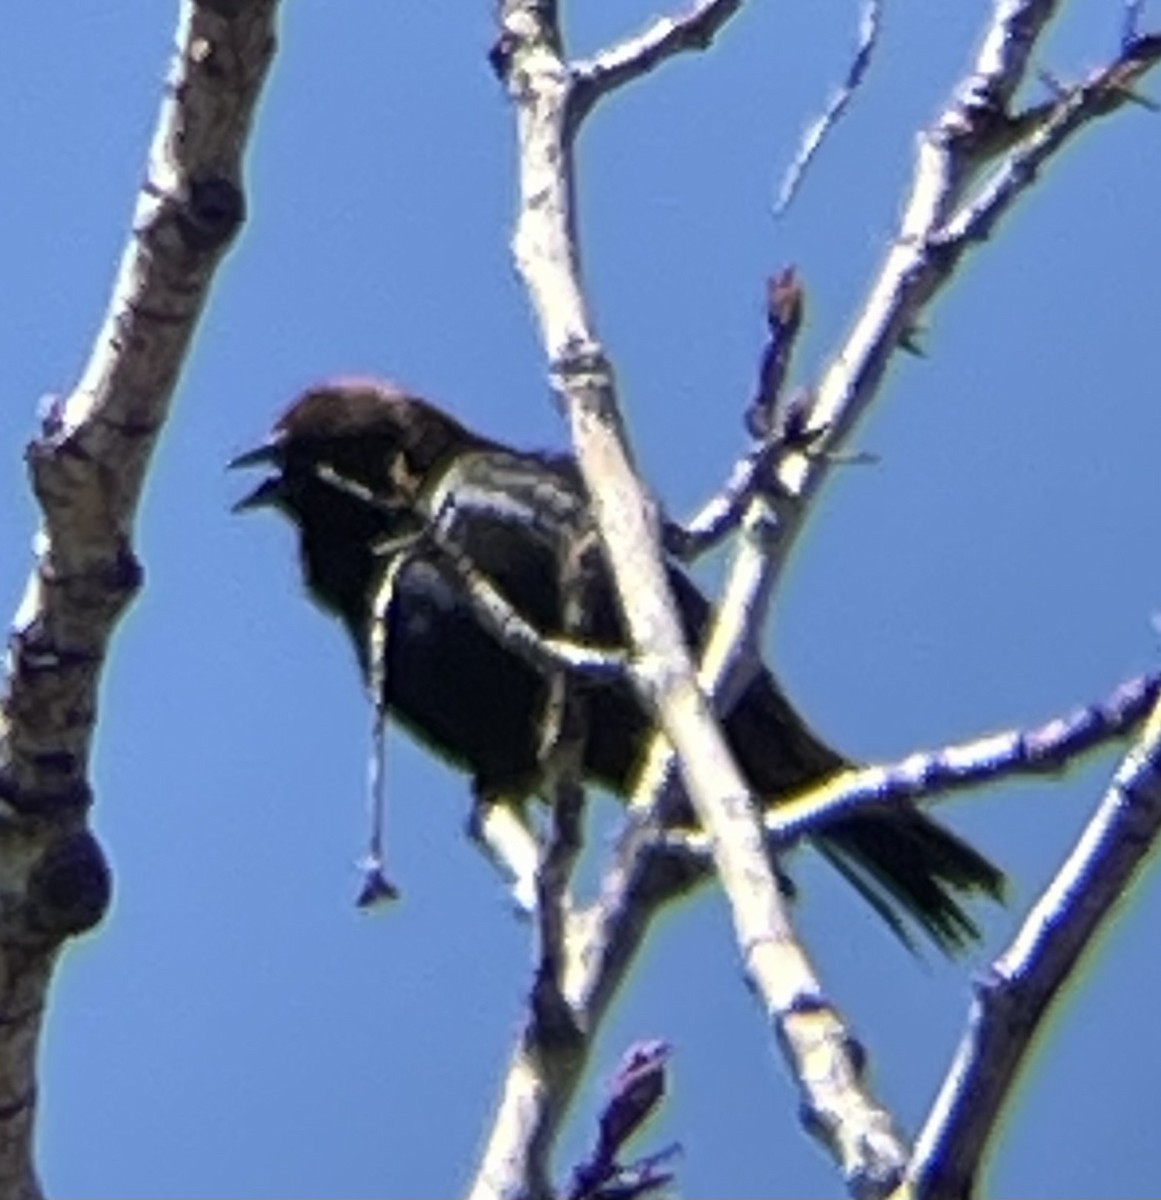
87 468
545 248
973 131
818 1048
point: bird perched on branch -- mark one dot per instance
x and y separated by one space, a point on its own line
365 470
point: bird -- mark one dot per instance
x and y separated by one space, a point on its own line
368 473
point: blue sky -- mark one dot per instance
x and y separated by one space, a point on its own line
236 1028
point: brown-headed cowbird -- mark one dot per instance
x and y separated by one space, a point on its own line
363 468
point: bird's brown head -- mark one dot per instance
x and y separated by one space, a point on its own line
369 432
345 463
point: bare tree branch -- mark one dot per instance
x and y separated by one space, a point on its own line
975 128
546 255
1131 28
721 515
87 468
90 460
935 232
601 944
821 1053
1006 48
870 24
733 646
928 775
1102 93
636 56
1016 995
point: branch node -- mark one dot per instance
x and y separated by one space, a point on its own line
70 887
213 212
554 1025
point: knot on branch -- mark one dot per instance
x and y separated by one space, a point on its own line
501 54
70 887
212 214
581 363
980 112
524 25
94 582
554 1024
582 374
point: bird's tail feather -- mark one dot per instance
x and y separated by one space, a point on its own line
903 862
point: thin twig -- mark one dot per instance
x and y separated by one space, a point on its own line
772 424
696 29
870 23
1131 26
723 512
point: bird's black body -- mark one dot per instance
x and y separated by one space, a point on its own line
478 703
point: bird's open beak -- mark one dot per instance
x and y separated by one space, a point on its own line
269 492
269 453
